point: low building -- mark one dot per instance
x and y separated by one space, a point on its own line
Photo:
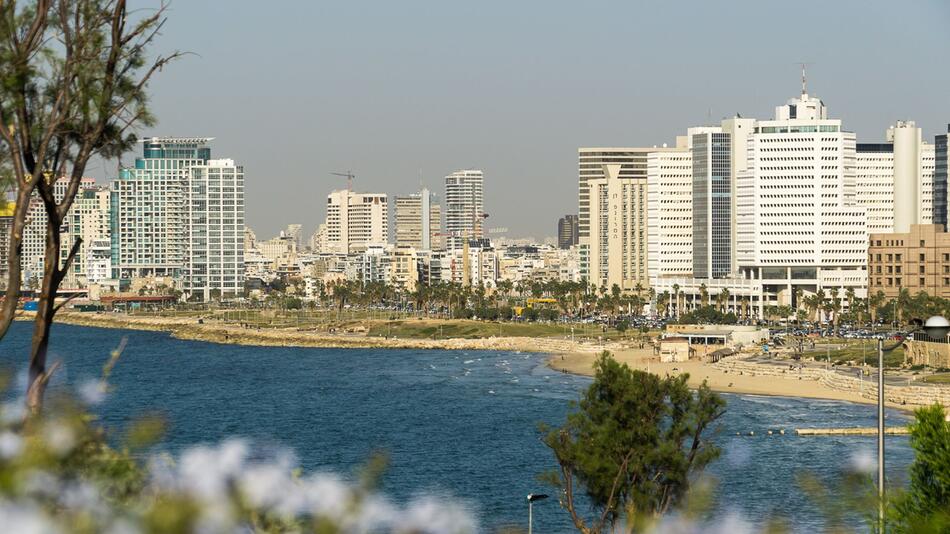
918 261
719 334
675 349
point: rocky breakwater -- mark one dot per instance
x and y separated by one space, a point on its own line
217 332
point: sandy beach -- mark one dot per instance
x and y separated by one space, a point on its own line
718 380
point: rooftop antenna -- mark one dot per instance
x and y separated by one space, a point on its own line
804 79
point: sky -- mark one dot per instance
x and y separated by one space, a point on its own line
403 93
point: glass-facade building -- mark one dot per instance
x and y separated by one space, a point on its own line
941 167
712 205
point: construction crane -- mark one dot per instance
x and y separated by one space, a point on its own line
349 178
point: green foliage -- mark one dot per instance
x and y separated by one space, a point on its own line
707 315
634 442
925 506
622 326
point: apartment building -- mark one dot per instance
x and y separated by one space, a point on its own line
214 250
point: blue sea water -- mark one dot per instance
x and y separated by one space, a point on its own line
462 423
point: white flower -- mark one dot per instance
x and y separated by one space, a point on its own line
862 461
10 445
436 515
59 437
92 392
24 518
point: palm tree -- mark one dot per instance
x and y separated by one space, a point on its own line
676 298
663 302
874 304
724 300
703 295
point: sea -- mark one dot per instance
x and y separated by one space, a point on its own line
461 425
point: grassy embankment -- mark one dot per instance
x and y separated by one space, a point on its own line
854 352
403 325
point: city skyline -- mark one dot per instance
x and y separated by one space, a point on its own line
513 106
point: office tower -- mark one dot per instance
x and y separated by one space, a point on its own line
798 225
177 213
941 169
418 221
612 212
567 231
356 221
214 250
464 207
712 204
889 181
670 212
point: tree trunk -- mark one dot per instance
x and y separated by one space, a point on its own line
43 322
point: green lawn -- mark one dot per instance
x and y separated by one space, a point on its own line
939 378
459 328
858 352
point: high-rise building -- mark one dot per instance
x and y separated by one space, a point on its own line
418 221
612 215
670 212
464 207
567 231
888 181
797 221
356 221
177 213
712 204
941 169
214 251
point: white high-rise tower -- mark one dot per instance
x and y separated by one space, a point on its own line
464 206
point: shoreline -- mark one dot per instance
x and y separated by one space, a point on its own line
720 380
216 332
564 355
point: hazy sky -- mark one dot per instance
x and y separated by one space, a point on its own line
395 90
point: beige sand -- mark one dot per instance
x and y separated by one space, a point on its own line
580 363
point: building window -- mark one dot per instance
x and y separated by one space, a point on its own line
923 282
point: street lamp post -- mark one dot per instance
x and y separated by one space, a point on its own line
531 498
936 327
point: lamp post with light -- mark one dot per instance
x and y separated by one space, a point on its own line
936 327
531 498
